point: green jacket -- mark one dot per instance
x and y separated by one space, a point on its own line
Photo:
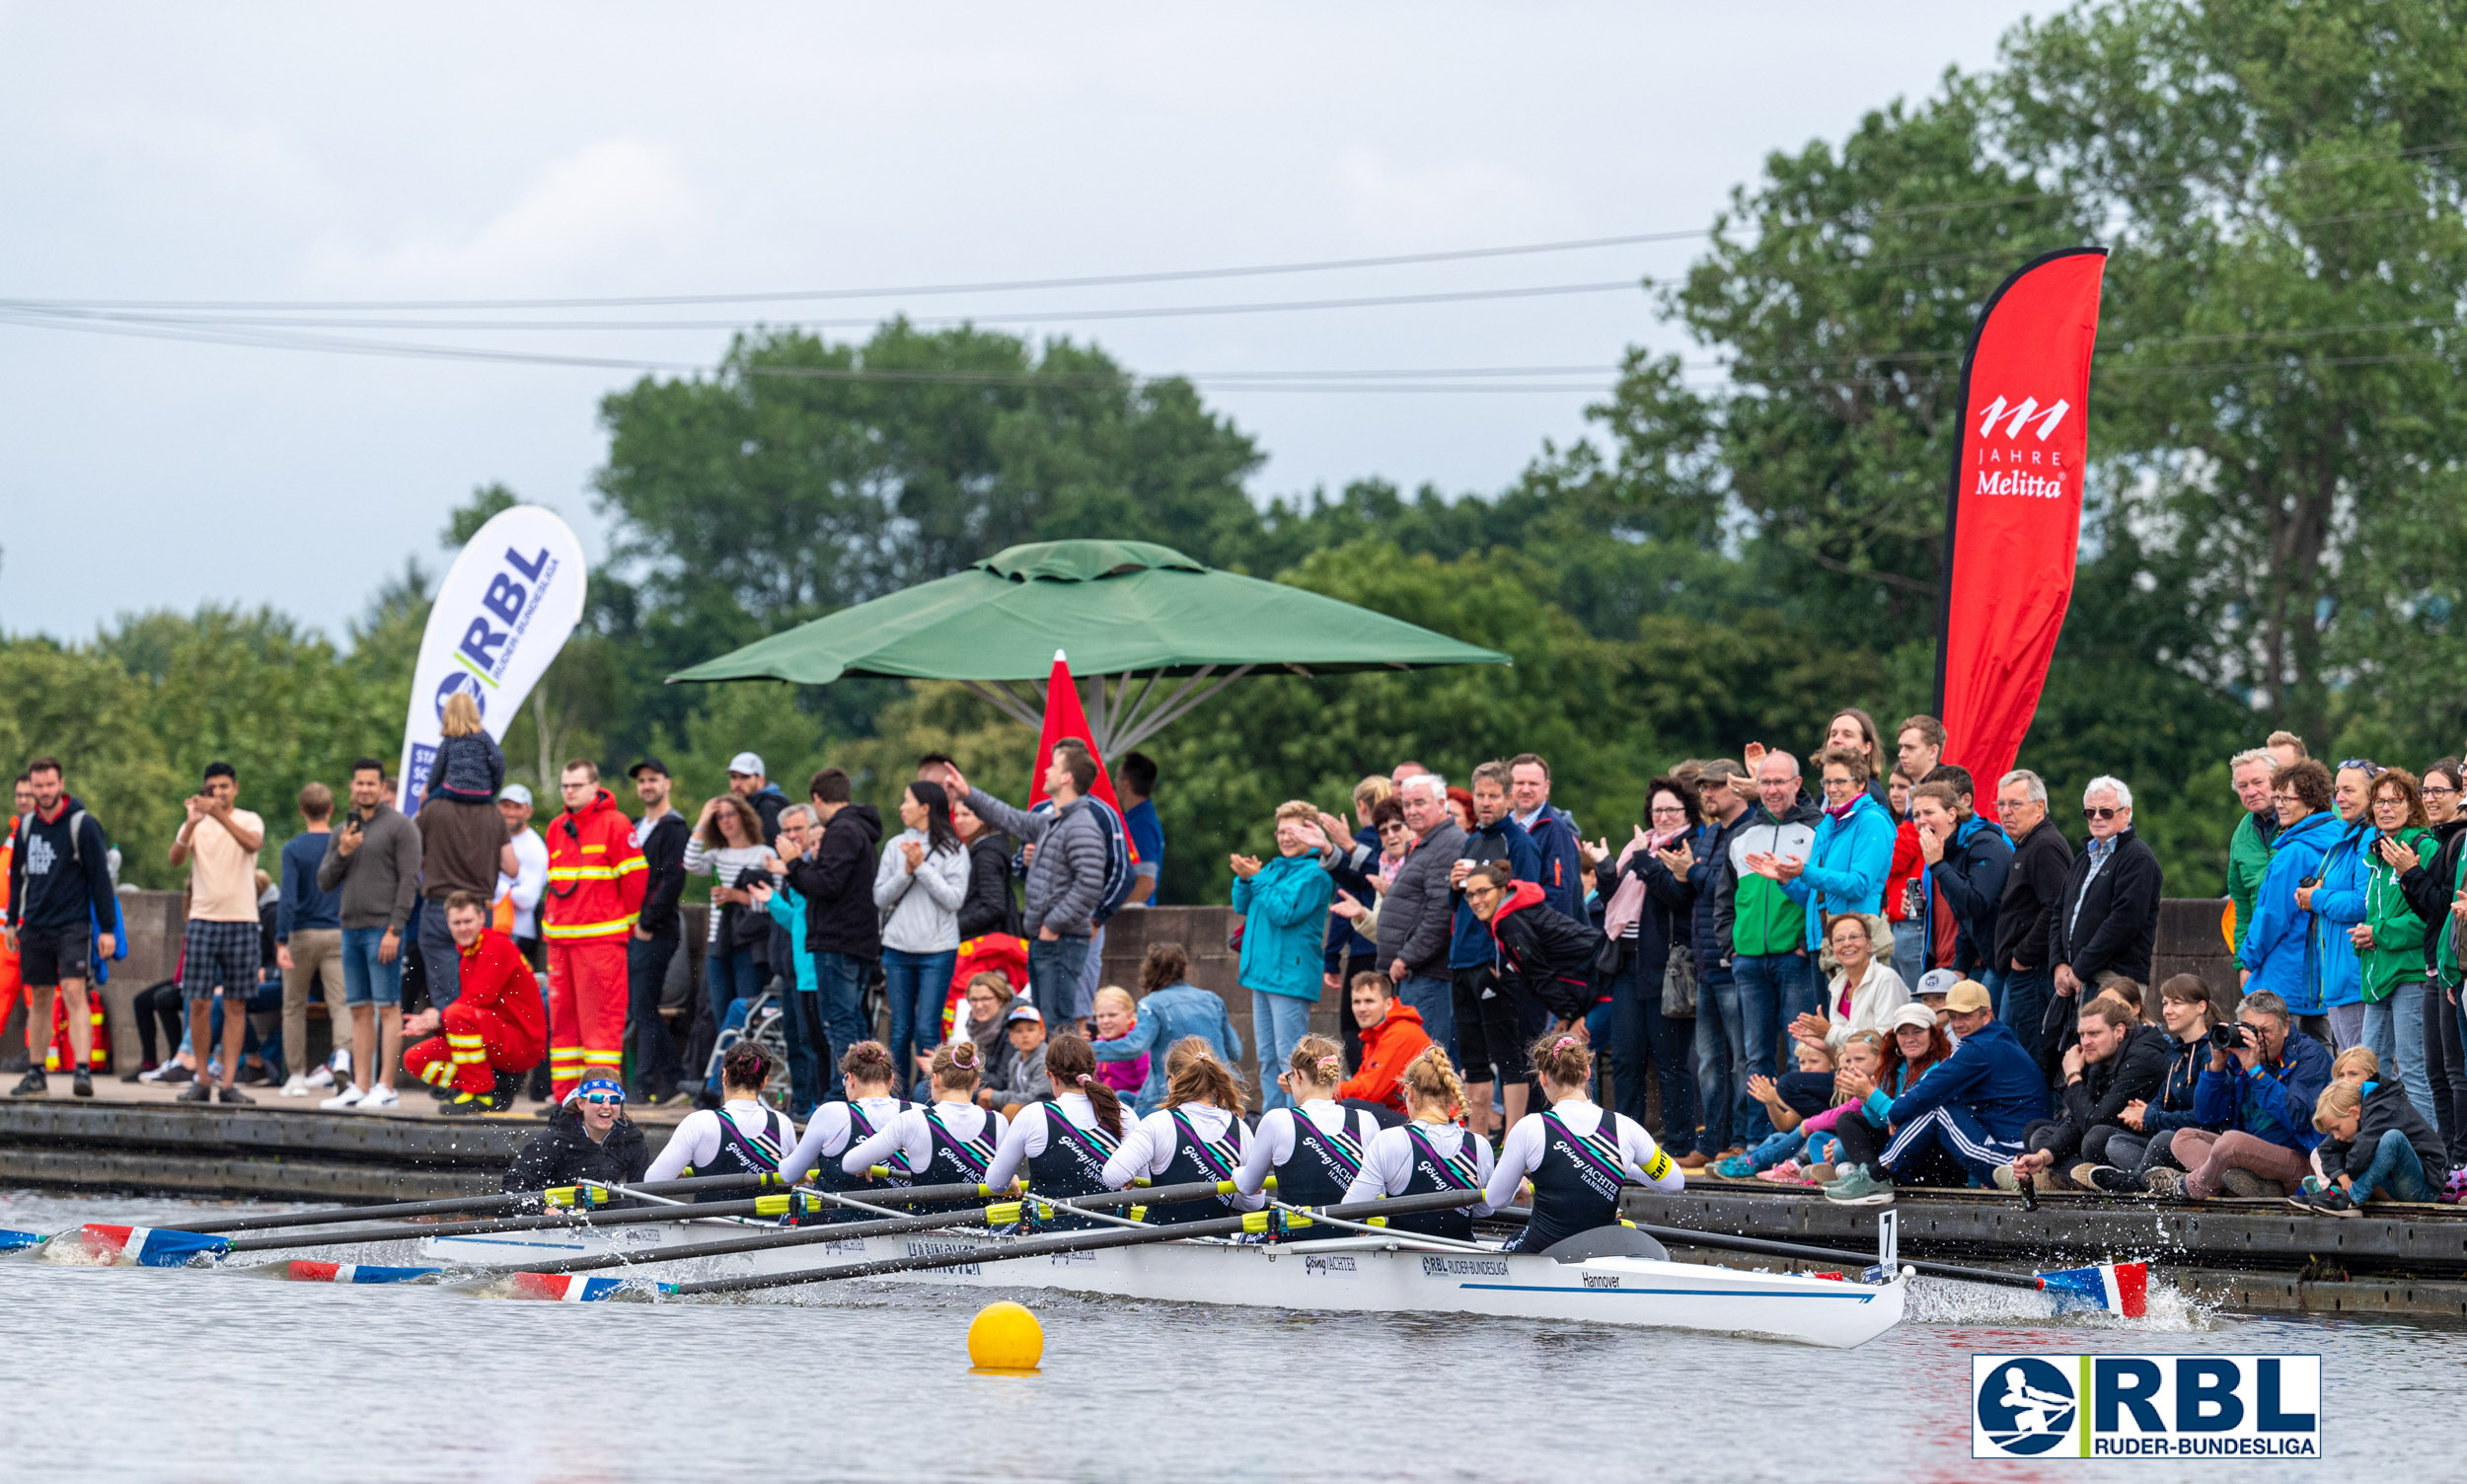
2247 856
2397 955
1758 909
2446 948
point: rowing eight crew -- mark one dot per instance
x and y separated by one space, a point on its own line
1575 1155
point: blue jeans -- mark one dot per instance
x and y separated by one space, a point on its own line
1277 1022
840 984
729 977
2021 998
917 984
1721 1065
366 980
1435 996
1642 1039
2395 1030
1054 980
1773 990
2396 1169
1909 953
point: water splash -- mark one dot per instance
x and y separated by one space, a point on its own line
1938 1300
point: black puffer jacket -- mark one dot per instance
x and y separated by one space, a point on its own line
1544 954
2138 1071
2386 1107
989 905
562 1153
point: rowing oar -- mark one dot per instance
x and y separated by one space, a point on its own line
550 1280
2123 1287
164 1247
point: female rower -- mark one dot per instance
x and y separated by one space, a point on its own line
1065 1142
870 1074
1198 1135
1430 1154
948 1143
1576 1154
742 1137
1315 1145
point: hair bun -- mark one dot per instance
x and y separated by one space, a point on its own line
1084 1079
964 1053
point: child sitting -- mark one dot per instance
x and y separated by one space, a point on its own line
1116 1013
2388 1151
2359 1068
469 767
1788 1102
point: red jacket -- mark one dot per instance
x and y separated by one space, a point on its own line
1907 863
496 979
596 877
1387 1048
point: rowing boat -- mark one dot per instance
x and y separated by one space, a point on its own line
1380 1274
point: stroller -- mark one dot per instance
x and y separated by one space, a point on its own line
764 1021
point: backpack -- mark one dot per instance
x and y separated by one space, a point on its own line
1119 878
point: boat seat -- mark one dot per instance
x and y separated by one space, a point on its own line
1606 1241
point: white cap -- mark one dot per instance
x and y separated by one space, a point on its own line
515 793
748 763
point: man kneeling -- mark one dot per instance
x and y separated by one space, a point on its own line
1965 1118
492 1034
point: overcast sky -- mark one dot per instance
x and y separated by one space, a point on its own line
484 152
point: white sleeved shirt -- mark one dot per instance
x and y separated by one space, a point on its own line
531 855
827 1134
1273 1143
1147 1146
1388 1165
1523 1152
912 1137
1028 1134
696 1144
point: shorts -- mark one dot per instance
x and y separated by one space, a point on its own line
1489 1029
44 958
366 979
219 956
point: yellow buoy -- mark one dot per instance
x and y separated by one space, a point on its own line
1005 1336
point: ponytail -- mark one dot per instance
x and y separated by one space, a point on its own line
1432 1078
957 1066
1072 1064
1202 1079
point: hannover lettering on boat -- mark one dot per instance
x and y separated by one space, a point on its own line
1465 1267
1602 1280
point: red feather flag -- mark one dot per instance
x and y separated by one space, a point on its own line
1065 717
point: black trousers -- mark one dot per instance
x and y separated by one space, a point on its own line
2444 1066
656 1070
2056 1136
157 1005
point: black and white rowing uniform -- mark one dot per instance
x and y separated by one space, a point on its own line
739 1138
1063 1149
1576 1156
1315 1152
836 1128
947 1144
1180 1146
1422 1158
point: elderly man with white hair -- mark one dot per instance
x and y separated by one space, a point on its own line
1418 911
2248 850
2034 891
2107 922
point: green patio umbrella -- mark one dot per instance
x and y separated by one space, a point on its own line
1168 632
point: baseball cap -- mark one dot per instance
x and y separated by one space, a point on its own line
748 763
1968 997
515 793
648 764
1939 982
1024 1012
1912 1014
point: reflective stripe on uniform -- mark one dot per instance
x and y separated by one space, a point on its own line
611 928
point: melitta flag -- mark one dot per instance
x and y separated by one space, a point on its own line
501 615
1064 718
2014 515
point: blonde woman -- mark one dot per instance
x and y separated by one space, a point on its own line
1864 992
1431 1152
1198 1135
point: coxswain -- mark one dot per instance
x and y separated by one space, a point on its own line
1064 1143
1198 1135
588 1137
1429 1153
1576 1154
743 1136
479 1048
837 1127
950 1143
1315 1148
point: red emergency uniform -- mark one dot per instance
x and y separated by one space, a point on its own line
596 879
497 1025
9 984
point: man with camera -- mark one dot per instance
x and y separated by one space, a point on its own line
2259 1087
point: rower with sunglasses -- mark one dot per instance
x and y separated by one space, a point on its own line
2107 924
588 1137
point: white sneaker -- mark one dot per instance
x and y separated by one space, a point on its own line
380 1096
296 1086
342 1060
156 1074
322 1077
348 1097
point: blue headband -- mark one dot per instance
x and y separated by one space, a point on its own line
602 1084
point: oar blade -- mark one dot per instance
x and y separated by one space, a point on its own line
97 1244
19 1241
301 1270
2116 1287
578 1288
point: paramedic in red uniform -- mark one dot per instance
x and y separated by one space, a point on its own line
493 1032
596 878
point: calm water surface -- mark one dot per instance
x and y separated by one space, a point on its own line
188 1376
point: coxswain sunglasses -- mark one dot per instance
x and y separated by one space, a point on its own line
605 1099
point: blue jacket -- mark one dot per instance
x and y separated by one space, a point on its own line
1165 1017
1711 843
1284 912
2331 969
1988 1074
2273 1103
2276 943
1348 873
1976 864
303 908
1469 946
1846 866
1561 873
788 908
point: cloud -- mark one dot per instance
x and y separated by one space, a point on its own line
1428 200
611 200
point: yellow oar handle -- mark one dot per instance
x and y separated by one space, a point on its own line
567 1196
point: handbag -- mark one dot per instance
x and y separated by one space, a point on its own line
1679 984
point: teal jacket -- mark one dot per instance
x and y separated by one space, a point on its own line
788 908
1847 867
1284 925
